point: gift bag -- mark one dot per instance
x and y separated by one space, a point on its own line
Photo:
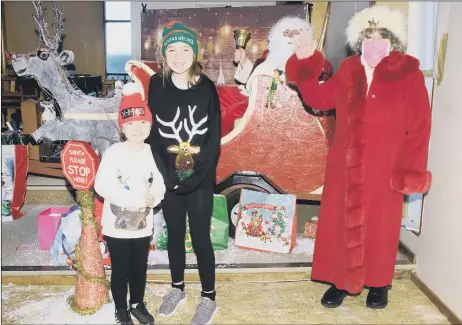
67 237
266 222
412 212
15 163
219 228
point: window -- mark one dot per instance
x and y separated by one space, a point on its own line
118 38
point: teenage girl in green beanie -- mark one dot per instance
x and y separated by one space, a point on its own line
185 141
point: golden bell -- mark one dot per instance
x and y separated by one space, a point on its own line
241 36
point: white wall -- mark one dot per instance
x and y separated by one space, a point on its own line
439 263
136 15
421 44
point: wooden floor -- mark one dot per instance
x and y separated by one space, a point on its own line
238 303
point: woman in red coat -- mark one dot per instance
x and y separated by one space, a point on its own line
379 152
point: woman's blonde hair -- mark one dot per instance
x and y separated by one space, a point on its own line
196 70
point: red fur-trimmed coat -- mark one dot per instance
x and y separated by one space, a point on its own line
378 154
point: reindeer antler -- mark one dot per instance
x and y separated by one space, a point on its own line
58 25
176 131
39 19
194 126
42 26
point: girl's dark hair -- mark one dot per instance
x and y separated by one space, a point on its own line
396 44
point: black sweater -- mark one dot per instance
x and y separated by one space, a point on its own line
187 151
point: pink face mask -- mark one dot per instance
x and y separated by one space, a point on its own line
375 50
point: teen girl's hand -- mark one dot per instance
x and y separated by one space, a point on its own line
304 45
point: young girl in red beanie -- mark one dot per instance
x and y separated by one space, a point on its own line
131 185
185 142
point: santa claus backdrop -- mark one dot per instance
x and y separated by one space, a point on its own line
214 28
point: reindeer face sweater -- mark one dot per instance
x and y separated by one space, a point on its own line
186 132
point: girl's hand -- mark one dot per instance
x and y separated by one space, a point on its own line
304 45
149 199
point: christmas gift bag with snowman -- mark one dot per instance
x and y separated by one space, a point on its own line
266 222
15 162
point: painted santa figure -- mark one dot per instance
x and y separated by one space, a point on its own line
280 49
379 152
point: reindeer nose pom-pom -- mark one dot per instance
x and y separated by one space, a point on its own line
131 88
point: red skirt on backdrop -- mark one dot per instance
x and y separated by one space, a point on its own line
233 105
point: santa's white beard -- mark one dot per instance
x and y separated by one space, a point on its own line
277 58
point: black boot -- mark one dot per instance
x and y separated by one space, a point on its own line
141 314
377 298
333 297
122 317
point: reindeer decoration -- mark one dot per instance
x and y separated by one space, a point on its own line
83 117
49 111
184 162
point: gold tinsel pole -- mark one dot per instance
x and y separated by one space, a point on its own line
91 288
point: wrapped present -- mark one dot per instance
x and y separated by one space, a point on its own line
310 228
219 228
266 222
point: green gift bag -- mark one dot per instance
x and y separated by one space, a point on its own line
218 228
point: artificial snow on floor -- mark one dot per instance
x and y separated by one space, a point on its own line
38 312
301 253
51 307
20 247
294 302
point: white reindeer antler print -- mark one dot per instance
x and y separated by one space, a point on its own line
176 131
194 127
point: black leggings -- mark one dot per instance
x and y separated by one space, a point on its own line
129 260
199 206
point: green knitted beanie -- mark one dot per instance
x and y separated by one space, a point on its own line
175 32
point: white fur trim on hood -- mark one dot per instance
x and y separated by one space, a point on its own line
391 19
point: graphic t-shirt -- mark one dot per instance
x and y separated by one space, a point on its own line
186 132
123 179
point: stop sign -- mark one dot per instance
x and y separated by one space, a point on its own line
79 163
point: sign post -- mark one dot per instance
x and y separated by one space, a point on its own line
80 164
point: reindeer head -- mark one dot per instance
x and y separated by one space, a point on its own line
45 62
184 148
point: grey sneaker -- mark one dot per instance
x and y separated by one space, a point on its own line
205 311
171 301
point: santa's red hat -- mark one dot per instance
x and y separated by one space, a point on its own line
132 106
